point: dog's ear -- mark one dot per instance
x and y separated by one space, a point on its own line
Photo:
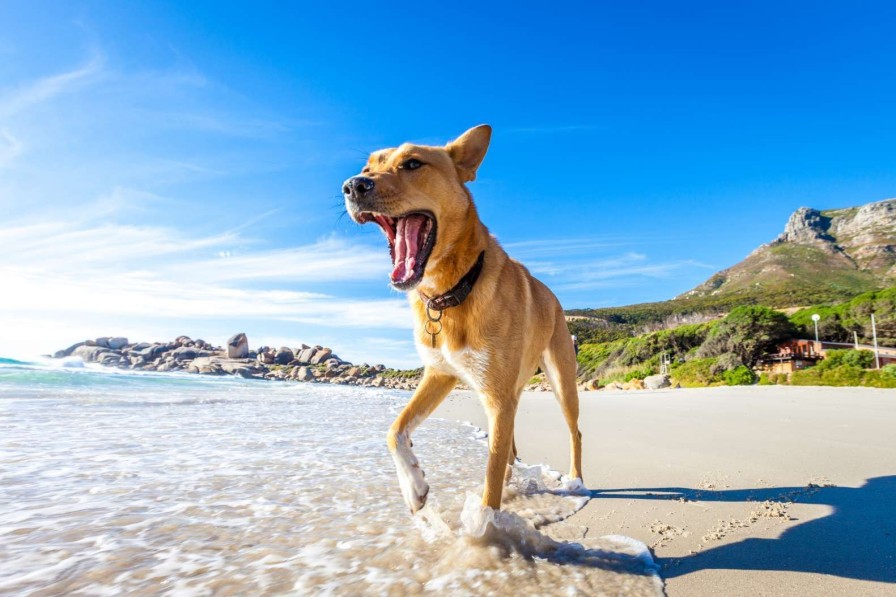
468 151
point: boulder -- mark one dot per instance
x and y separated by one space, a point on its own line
184 353
238 346
284 356
635 384
89 354
148 351
117 343
655 382
321 355
303 374
67 352
306 355
265 358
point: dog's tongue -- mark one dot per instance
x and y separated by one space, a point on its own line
407 243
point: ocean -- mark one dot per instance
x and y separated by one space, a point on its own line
115 483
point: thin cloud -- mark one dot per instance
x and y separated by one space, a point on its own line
43 89
10 148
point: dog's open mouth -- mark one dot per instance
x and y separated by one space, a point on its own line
411 239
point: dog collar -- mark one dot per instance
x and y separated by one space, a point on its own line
459 293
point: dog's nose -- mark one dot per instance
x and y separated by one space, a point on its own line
358 186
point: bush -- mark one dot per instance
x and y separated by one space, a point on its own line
638 374
739 376
748 333
844 375
863 359
888 371
696 373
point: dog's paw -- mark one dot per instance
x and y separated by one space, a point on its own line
414 488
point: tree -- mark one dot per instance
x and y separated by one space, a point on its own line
748 332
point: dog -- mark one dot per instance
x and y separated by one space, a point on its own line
480 317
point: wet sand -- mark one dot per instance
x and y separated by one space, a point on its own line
738 491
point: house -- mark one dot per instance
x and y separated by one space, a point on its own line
793 355
796 354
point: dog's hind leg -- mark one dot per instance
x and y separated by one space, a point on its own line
429 394
559 364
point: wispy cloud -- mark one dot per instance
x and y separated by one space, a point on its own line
43 89
577 267
10 148
533 249
143 274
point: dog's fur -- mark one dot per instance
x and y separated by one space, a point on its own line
510 324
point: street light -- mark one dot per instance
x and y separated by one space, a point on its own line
815 318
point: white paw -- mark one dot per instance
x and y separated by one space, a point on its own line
410 475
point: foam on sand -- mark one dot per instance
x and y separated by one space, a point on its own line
124 484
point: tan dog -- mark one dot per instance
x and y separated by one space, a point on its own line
480 317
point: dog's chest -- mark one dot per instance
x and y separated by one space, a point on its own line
467 364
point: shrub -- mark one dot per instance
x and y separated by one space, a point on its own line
696 373
747 332
739 376
880 378
638 374
843 375
863 359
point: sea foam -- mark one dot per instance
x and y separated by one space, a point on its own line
124 484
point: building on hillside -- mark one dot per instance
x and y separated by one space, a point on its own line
793 355
796 354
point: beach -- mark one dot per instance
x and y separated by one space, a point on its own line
737 490
121 482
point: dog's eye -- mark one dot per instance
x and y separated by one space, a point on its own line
411 164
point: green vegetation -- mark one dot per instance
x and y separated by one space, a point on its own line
697 373
746 334
403 373
846 368
739 376
710 353
724 351
638 357
838 322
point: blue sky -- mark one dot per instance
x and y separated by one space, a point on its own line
170 168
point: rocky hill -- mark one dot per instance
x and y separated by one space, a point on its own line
821 256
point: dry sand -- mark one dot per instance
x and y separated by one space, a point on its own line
738 491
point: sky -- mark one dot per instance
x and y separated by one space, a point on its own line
173 168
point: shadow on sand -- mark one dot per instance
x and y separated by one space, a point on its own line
857 540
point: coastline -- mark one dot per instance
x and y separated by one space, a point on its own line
750 490
317 364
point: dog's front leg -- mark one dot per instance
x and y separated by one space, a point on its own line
429 394
501 415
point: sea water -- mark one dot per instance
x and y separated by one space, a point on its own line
169 484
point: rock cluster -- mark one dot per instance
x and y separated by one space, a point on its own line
304 363
651 382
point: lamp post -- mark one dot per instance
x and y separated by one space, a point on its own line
815 318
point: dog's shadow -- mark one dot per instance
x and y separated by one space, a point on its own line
856 540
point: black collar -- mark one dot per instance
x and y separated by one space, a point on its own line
460 292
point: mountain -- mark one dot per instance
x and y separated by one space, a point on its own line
821 256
